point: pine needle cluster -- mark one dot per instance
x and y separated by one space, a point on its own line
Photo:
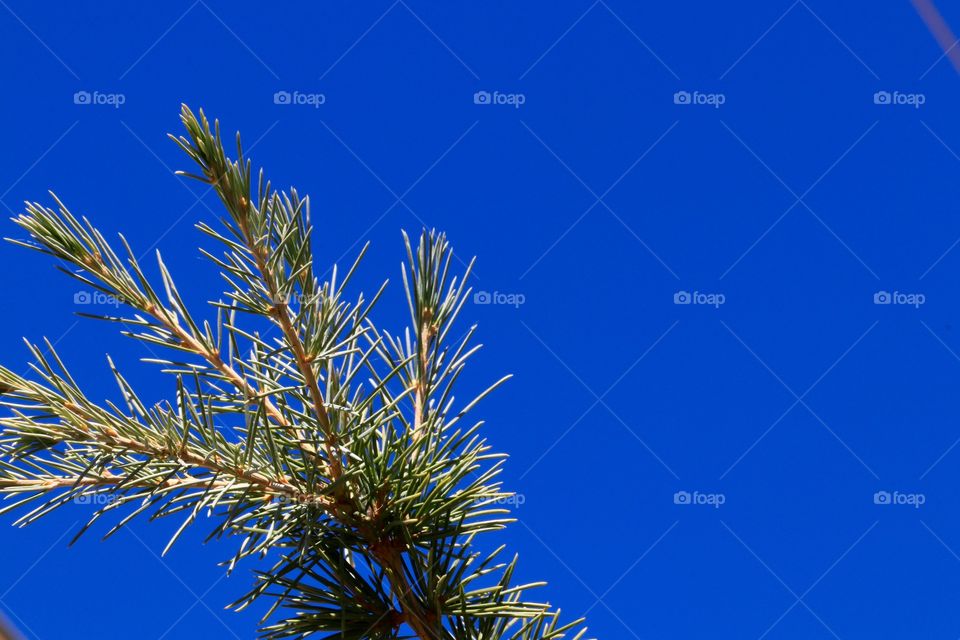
358 479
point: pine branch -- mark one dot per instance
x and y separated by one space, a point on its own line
354 470
61 235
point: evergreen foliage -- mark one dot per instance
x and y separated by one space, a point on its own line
358 476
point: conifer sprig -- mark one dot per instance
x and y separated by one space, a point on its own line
354 473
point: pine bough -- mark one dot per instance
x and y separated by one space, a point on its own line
356 472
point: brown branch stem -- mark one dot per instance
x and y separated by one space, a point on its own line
213 462
304 361
424 622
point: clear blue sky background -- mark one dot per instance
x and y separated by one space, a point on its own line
598 199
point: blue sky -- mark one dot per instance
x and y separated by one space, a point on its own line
718 242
